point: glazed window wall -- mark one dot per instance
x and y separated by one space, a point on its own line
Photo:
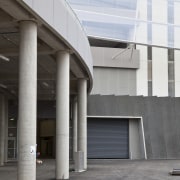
122 16
111 19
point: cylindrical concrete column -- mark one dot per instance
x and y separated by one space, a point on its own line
27 101
74 110
82 118
6 131
2 129
62 116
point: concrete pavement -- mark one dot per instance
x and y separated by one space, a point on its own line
104 170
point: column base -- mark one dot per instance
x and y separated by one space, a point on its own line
80 170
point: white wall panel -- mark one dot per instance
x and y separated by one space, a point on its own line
60 10
176 13
177 72
159 35
141 33
47 12
142 8
142 74
176 21
73 37
159 11
141 27
159 72
177 37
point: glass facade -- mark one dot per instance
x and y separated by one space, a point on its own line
125 20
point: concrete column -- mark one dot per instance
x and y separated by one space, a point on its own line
27 101
74 109
82 118
62 116
6 132
2 129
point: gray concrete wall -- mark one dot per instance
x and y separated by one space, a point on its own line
160 117
115 57
116 81
134 139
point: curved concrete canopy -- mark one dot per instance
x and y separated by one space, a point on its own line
60 18
58 30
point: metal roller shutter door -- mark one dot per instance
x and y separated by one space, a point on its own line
108 138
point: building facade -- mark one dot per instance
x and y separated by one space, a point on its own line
125 53
135 48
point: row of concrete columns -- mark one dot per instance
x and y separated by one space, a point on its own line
62 118
27 108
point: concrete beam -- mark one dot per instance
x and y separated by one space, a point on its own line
11 52
12 8
76 69
46 36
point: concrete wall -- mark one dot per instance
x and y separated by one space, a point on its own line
134 139
114 81
115 57
160 117
114 70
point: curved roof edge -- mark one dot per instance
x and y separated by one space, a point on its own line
60 18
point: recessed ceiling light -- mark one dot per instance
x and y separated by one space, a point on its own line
3 86
11 119
4 58
45 84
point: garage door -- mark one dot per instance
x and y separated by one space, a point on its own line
108 138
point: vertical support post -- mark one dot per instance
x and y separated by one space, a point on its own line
62 115
6 132
74 126
27 101
82 118
2 129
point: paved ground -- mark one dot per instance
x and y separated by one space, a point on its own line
105 170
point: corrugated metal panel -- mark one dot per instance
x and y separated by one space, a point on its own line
108 138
